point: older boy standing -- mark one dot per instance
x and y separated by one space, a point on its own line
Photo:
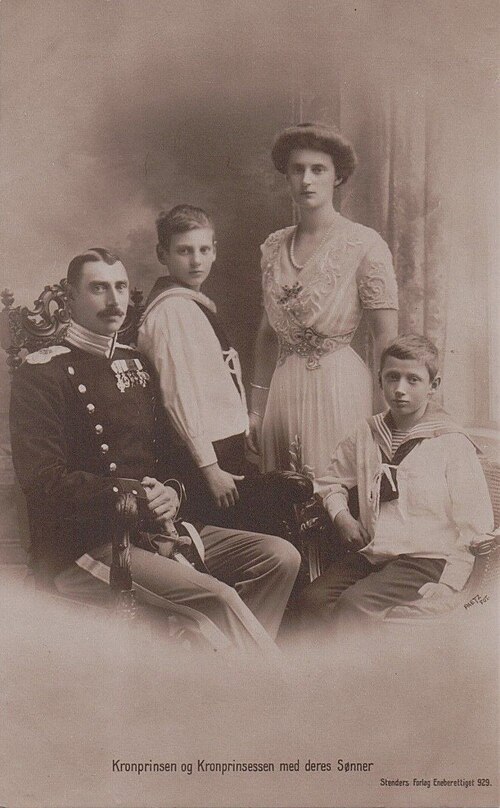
202 390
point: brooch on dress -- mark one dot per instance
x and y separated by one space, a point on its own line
290 293
129 373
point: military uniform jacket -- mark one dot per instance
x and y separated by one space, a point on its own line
79 422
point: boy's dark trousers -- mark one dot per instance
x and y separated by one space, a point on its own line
352 587
265 500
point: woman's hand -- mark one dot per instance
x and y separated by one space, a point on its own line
163 501
266 355
221 485
350 531
254 432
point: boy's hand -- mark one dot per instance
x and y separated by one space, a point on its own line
254 432
163 501
432 591
221 485
350 531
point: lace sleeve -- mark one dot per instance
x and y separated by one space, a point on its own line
271 247
377 287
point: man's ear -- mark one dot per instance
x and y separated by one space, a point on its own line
380 379
435 384
161 254
337 182
70 292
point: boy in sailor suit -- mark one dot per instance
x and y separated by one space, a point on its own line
83 423
200 380
422 499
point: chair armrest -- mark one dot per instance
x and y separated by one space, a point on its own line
485 544
312 518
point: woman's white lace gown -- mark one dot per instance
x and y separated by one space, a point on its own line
321 388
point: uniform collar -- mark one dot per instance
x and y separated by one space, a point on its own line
86 340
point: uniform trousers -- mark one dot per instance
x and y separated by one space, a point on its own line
241 603
353 588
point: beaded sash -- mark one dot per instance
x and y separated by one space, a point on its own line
310 345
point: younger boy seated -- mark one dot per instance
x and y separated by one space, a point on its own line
422 498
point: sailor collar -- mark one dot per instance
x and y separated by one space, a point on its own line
164 289
434 422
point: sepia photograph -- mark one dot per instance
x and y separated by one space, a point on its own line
249 403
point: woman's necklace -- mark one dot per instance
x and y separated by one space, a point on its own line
300 267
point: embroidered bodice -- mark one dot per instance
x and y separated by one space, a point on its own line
318 309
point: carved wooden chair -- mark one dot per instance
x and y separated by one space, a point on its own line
24 330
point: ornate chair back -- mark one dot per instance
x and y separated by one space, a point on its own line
487 565
24 330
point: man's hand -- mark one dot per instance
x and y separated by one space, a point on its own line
221 485
163 501
254 432
350 531
432 591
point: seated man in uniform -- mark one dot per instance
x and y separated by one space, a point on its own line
83 422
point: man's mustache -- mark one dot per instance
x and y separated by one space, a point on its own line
111 311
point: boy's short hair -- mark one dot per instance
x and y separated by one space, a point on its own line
179 220
76 264
413 346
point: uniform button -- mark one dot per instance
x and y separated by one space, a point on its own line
99 429
71 371
104 448
134 492
112 466
115 489
90 408
82 388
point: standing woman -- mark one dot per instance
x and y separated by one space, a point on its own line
318 278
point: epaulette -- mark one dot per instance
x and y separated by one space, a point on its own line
44 355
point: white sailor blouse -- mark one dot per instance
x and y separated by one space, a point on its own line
200 383
442 501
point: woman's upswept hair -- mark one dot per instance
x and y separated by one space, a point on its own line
179 220
317 136
413 346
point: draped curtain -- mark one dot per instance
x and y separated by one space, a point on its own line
401 191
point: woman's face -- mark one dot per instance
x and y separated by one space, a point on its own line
311 177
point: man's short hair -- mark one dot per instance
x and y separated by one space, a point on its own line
74 273
179 220
413 346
